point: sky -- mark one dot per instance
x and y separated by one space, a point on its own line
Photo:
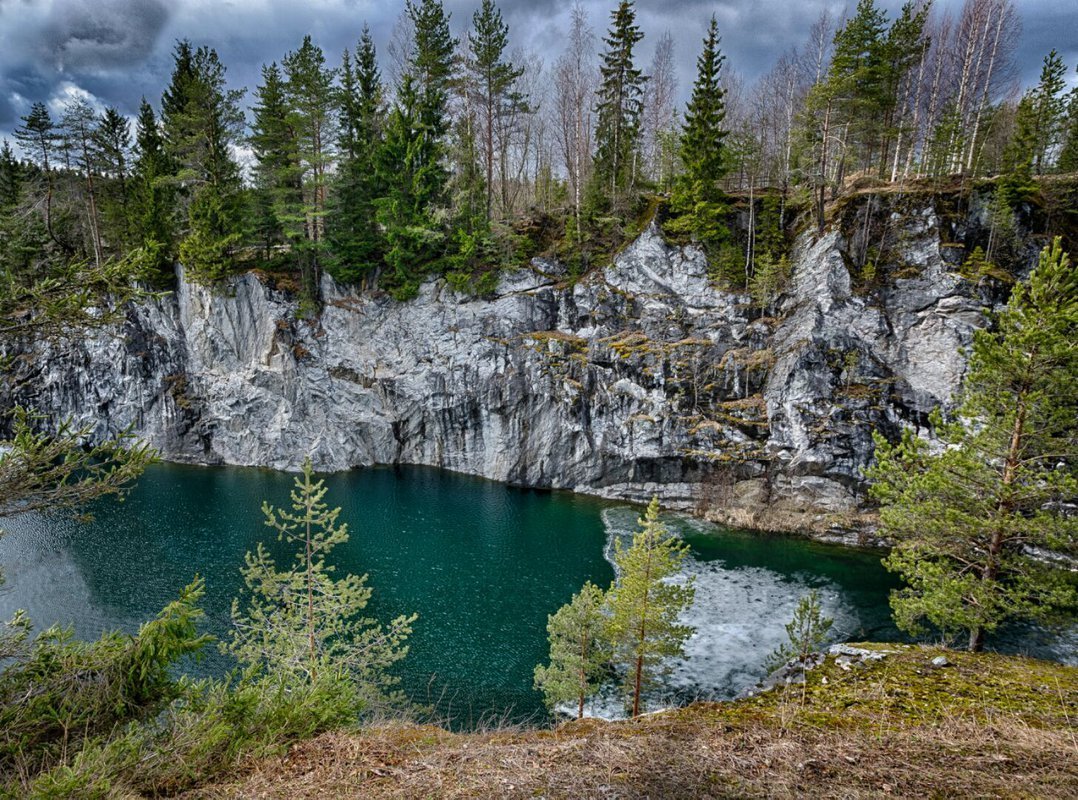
114 52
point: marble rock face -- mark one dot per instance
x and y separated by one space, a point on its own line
641 379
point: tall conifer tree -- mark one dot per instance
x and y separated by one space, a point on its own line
311 99
644 605
493 81
153 195
276 171
697 193
619 109
355 239
967 521
202 120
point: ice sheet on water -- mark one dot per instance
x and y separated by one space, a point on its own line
739 616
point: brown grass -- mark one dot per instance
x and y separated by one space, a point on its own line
987 726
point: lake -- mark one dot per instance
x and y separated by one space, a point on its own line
482 563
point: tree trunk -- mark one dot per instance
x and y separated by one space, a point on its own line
976 640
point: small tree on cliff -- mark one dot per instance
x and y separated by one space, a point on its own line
579 650
644 604
966 521
301 624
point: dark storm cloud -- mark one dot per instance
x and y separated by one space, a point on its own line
101 34
119 50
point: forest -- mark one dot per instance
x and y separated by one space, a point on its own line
451 153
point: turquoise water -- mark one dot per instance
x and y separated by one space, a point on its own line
483 564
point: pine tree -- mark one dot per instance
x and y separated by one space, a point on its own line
39 139
77 132
619 108
302 624
355 239
1049 106
644 605
493 81
697 193
579 650
859 75
806 633
967 521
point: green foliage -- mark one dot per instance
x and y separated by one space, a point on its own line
492 81
619 107
579 650
201 120
769 279
860 77
356 243
301 623
153 196
109 719
697 196
207 249
1068 154
965 521
48 472
310 115
276 171
644 604
66 692
806 633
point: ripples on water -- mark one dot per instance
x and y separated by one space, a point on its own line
482 563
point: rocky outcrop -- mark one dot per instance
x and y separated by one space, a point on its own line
641 379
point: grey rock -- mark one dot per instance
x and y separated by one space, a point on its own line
939 662
642 379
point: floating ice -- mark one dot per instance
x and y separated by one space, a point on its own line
739 615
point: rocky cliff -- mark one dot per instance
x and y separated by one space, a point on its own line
640 379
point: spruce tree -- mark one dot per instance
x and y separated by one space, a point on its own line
112 142
276 172
433 72
301 624
697 195
311 115
201 120
968 521
579 650
355 239
153 196
644 605
411 162
619 108
1068 154
10 177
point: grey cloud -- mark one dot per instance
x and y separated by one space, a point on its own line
120 50
101 34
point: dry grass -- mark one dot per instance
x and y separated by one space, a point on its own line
984 727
